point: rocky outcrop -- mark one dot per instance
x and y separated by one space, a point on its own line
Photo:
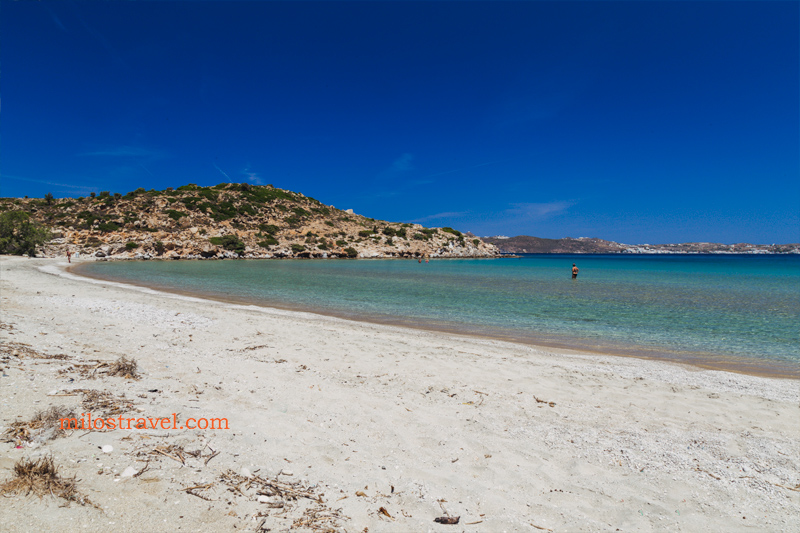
231 221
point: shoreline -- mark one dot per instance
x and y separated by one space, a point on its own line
698 360
508 437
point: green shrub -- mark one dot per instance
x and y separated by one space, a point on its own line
189 187
389 242
297 248
421 237
329 223
230 242
104 194
400 233
208 194
108 226
159 246
476 242
292 221
365 233
351 252
19 235
48 198
267 242
175 215
453 231
117 196
341 243
131 246
92 194
323 245
389 231
268 228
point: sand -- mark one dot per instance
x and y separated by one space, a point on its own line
368 427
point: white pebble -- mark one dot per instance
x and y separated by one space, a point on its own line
245 472
129 472
107 448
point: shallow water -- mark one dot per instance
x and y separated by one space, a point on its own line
717 310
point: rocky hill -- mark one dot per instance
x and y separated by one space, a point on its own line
534 245
227 221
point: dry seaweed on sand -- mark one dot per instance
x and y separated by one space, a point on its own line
269 487
105 403
122 367
41 477
320 519
291 499
25 351
45 425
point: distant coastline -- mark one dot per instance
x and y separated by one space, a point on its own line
525 244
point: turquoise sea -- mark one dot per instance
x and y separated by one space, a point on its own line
737 312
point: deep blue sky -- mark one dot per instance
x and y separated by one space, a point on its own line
632 121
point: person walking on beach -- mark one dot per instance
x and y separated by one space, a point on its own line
574 271
69 256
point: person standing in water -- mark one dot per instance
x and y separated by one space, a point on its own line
574 271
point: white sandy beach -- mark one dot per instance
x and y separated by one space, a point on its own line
367 417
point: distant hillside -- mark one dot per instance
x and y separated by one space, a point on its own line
230 220
535 245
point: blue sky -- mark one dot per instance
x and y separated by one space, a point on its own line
631 121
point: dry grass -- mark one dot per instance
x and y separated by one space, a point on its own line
41 477
46 423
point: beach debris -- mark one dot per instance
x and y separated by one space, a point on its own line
551 404
22 350
45 425
540 527
384 512
100 403
269 487
190 490
41 477
447 520
320 519
361 493
124 367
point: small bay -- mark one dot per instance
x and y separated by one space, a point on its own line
738 312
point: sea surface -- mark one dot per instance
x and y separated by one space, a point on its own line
736 312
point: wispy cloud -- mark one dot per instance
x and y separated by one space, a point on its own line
466 168
55 18
446 214
84 189
125 151
252 177
534 211
403 163
223 173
